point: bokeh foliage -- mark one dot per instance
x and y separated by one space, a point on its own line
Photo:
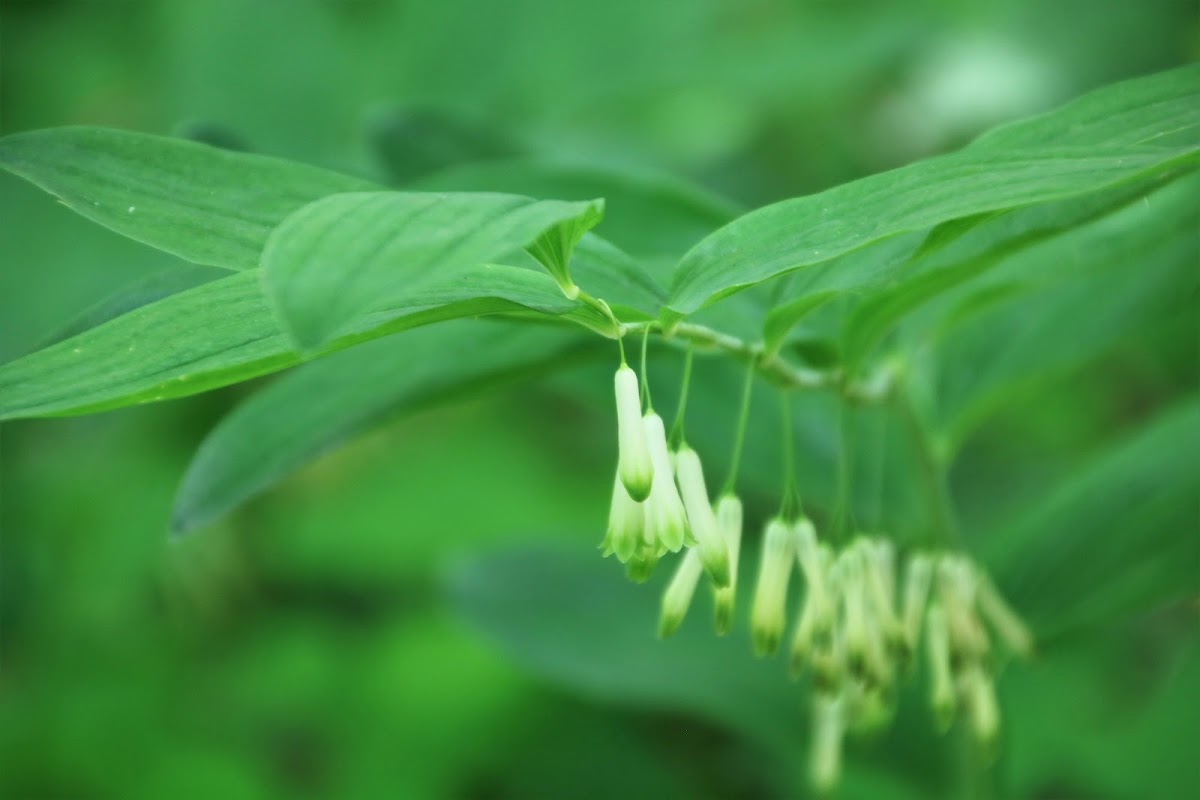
325 639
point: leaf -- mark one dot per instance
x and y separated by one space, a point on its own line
1118 537
413 142
553 248
574 619
651 215
605 271
1073 154
205 204
320 405
350 254
984 246
224 332
1060 304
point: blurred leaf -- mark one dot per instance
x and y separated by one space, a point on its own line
575 620
320 405
414 142
1124 132
205 204
349 254
1118 537
148 290
223 332
1110 716
1060 304
984 246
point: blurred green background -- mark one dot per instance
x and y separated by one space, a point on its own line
337 637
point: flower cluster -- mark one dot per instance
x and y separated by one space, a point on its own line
862 615
659 502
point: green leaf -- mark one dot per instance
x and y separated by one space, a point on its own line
1117 538
320 405
575 620
1076 150
224 332
1059 304
651 215
554 247
985 245
350 254
202 203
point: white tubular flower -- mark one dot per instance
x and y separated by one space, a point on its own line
937 639
829 726
714 554
857 621
997 611
979 692
817 609
679 593
626 519
879 572
633 461
770 595
917 579
957 591
666 521
729 523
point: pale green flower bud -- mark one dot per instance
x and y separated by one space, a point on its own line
957 591
979 692
633 460
828 728
997 611
678 595
879 573
770 594
666 521
819 605
626 520
917 580
937 640
714 554
865 653
729 522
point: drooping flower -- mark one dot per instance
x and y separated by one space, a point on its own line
634 465
979 695
729 523
866 654
678 596
770 593
917 579
828 726
626 521
714 554
666 520
941 680
818 609
1000 614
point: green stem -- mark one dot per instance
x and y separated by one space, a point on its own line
933 475
790 505
645 383
843 513
676 438
739 436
